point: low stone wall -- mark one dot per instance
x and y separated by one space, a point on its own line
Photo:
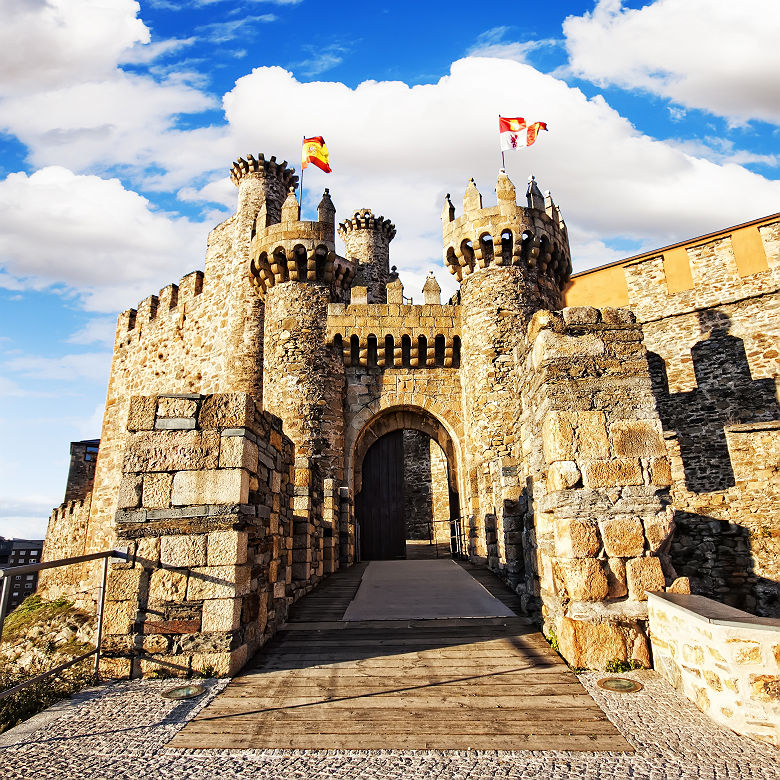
723 659
206 506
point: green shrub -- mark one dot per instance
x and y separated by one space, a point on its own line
616 667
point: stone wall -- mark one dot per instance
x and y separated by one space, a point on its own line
715 357
426 488
598 522
205 504
724 660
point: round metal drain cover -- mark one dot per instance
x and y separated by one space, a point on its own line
620 685
183 692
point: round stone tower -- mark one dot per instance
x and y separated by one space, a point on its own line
511 261
296 272
262 187
367 239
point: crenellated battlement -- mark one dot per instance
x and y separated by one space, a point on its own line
296 250
264 168
364 219
392 335
533 236
169 302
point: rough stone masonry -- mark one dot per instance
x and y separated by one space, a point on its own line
583 468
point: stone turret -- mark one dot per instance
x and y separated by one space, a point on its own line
532 238
367 239
431 290
262 185
511 261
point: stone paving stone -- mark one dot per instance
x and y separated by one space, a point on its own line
121 731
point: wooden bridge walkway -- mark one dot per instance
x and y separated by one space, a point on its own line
447 684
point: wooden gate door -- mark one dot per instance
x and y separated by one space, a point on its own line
380 504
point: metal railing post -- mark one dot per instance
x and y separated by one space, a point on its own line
101 604
4 601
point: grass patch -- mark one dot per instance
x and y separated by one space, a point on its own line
616 667
34 625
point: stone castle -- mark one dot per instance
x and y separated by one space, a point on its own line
287 411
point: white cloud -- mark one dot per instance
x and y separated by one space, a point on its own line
93 236
398 149
720 57
92 366
97 330
64 96
492 43
321 59
51 43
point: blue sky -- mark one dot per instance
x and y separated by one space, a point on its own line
119 121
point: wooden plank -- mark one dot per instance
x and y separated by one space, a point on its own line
486 684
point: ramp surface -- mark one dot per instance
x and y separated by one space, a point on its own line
421 590
480 683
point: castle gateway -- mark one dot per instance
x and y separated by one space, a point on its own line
273 418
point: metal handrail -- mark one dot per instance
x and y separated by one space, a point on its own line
6 576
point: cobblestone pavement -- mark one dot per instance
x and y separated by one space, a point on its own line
121 730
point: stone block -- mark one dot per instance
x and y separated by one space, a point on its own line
558 436
168 585
147 552
237 452
227 410
218 582
610 473
562 475
584 579
119 616
637 438
592 440
644 574
221 614
183 551
126 585
174 424
221 664
176 407
576 538
591 645
141 415
227 548
115 668
157 490
551 346
214 486
172 451
623 536
661 472
129 496
581 315
616 578
658 530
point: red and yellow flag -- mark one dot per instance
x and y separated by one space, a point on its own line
515 132
315 152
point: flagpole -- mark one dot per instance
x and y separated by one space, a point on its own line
503 163
303 168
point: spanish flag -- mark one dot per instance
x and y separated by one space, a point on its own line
315 151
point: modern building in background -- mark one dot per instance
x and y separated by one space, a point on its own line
19 552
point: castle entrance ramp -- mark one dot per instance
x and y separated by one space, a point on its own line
450 683
421 590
